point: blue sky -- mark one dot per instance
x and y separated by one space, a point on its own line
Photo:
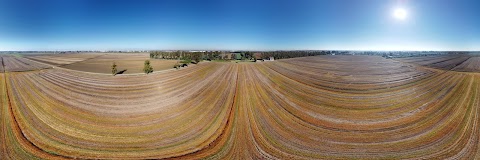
246 24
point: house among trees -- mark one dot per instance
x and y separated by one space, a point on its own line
226 56
269 59
258 56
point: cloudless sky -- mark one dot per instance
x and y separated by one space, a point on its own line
240 24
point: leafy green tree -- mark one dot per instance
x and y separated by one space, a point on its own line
147 68
114 69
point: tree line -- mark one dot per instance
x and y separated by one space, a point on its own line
291 54
239 55
185 55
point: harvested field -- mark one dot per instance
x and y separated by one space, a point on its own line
445 62
471 65
1 65
19 64
63 59
102 62
323 107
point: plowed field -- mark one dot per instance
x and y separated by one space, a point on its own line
323 107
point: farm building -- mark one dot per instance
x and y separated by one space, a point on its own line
269 59
258 56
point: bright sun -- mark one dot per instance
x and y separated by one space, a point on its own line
400 13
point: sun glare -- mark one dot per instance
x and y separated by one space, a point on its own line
400 13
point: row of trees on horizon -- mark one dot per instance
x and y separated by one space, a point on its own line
222 55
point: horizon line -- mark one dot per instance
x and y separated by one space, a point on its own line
130 50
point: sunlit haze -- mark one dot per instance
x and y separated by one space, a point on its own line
400 13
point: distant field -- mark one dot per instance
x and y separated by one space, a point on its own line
470 65
102 62
14 63
461 62
62 59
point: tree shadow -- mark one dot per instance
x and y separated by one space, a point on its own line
121 72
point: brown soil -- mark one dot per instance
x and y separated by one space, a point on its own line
102 62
